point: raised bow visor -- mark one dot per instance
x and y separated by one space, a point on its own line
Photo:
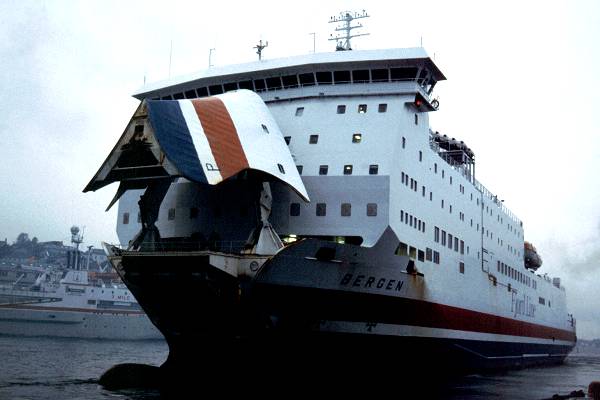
207 141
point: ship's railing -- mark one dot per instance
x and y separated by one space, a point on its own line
463 170
222 246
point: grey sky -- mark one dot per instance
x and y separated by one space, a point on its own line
521 92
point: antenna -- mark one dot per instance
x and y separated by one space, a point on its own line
345 19
314 35
259 48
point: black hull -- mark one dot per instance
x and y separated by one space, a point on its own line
211 320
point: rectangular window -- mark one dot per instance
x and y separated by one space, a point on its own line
299 168
380 75
402 249
215 89
542 301
323 169
428 254
171 214
436 257
435 168
313 139
246 85
401 215
230 86
307 79
287 139
371 209
125 218
356 138
382 108
421 255
341 76
420 155
321 209
260 85
299 111
423 191
416 119
443 237
436 234
462 247
403 142
294 209
373 169
202 92
264 127
419 225
423 230
412 252
450 241
341 109
461 267
324 78
347 169
178 96
193 212
346 210
362 108
361 76
190 94
410 220
455 244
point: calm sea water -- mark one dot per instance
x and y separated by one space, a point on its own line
51 368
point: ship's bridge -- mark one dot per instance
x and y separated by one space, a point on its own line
367 72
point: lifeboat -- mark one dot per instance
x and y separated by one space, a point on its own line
532 258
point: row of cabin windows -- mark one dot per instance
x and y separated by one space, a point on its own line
404 249
341 109
193 214
516 275
446 239
411 221
314 139
422 76
347 170
345 209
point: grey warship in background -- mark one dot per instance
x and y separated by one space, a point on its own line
305 202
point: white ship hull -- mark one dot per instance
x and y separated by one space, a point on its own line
62 322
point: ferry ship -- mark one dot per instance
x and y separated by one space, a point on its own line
70 302
306 204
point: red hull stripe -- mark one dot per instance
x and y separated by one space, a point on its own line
222 136
338 305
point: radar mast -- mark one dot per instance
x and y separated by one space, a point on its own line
345 24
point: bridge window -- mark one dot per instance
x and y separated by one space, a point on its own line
361 76
202 91
190 94
403 74
215 89
324 78
380 75
259 84
341 76
273 83
321 209
166 98
346 210
246 85
307 79
341 109
228 87
290 81
178 96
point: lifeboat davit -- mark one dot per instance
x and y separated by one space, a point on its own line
532 258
